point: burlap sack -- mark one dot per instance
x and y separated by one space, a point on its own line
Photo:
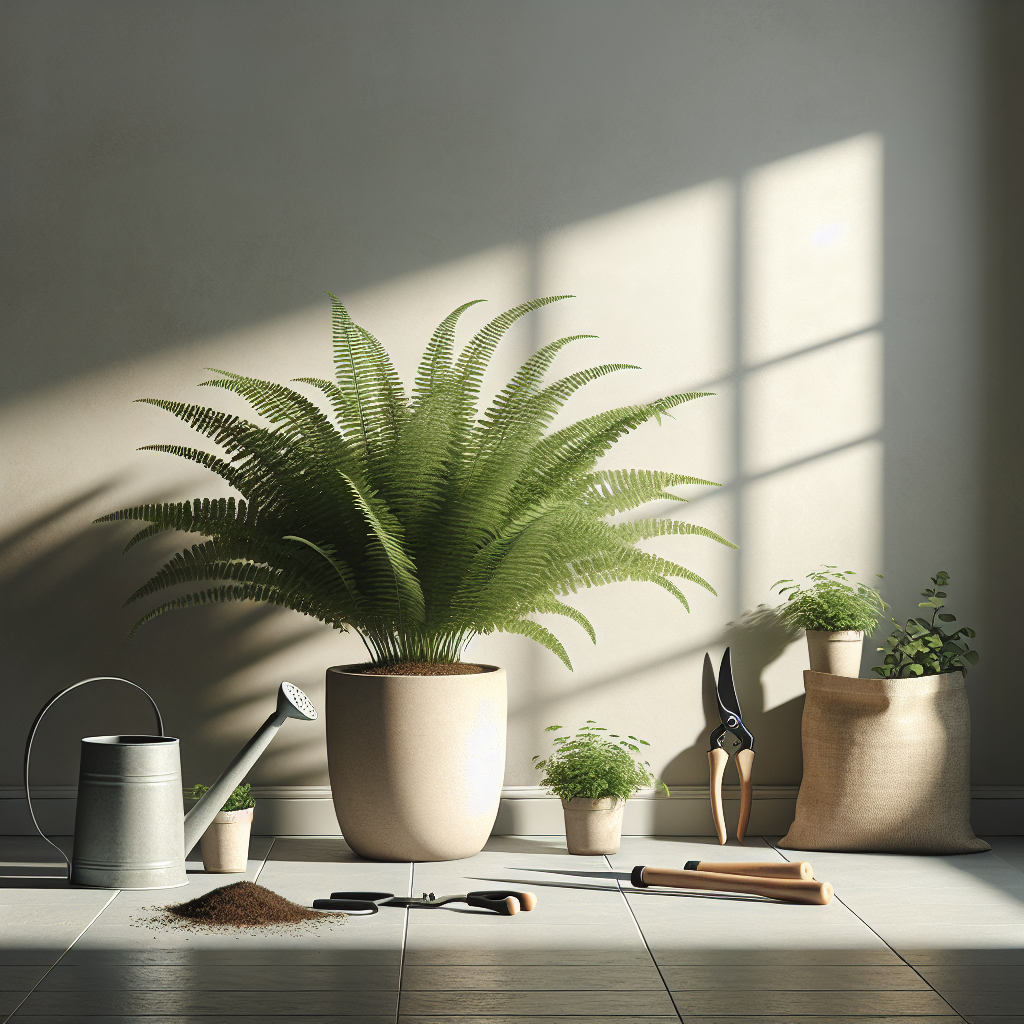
886 766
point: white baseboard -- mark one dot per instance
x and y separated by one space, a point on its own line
524 811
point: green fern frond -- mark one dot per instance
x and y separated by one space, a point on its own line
644 529
621 490
548 605
535 631
418 522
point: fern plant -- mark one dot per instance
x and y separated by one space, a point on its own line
591 765
832 603
414 520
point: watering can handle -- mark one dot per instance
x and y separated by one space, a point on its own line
32 735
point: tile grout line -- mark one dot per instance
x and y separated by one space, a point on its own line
1001 860
92 921
640 931
879 937
263 864
404 939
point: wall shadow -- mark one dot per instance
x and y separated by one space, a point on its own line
185 169
61 615
756 639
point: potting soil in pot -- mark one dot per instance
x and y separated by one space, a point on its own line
240 905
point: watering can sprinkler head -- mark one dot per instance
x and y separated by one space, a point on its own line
293 703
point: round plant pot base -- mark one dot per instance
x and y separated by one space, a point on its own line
225 844
416 762
593 827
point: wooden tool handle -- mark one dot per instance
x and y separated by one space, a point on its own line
717 760
761 869
527 900
744 767
788 890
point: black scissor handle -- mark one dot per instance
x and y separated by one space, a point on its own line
506 902
369 897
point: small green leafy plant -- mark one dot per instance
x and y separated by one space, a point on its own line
591 765
240 800
832 603
922 647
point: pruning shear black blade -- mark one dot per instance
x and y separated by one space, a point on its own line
729 707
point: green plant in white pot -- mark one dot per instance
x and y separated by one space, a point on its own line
594 775
836 615
225 844
417 522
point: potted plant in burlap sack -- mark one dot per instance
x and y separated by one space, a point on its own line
225 844
887 760
836 615
594 775
417 522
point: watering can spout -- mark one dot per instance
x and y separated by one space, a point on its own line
291 703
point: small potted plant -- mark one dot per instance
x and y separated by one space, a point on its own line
225 844
836 614
594 775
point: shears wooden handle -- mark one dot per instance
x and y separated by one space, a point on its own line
788 890
760 869
717 760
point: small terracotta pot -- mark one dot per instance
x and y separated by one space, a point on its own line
225 844
593 827
835 653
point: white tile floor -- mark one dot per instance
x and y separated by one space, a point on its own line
906 938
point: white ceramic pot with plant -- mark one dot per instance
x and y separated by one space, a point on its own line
225 844
417 521
594 773
836 615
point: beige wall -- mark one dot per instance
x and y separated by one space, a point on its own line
778 201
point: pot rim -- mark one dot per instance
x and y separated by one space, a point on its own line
846 635
246 811
826 681
348 671
616 802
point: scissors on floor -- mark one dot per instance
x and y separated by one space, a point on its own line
506 902
732 725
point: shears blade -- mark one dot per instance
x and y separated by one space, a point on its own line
728 702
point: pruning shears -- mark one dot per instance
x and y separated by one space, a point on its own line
718 756
505 902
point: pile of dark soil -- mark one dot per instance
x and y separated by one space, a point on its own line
237 907
420 668
243 905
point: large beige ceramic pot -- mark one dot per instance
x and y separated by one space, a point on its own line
836 653
416 762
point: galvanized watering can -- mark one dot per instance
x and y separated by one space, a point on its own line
129 829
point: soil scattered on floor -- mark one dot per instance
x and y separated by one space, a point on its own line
237 906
